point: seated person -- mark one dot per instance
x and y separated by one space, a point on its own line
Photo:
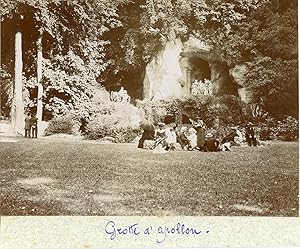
226 144
191 135
211 144
171 138
181 137
160 135
237 136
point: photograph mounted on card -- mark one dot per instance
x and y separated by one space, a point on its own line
152 110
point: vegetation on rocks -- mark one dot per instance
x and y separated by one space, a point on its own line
91 47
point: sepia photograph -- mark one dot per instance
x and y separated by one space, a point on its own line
149 108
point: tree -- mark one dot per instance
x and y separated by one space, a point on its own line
68 27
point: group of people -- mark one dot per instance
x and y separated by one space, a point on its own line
195 137
120 96
31 127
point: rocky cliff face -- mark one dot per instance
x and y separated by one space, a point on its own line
238 73
172 72
163 74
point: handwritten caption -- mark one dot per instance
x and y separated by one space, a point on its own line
161 232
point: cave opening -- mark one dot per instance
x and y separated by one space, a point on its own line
200 69
194 69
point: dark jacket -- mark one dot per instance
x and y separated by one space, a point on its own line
34 122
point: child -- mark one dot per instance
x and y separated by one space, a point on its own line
191 135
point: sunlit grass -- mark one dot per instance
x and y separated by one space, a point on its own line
56 177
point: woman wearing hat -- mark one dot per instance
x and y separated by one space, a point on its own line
160 136
237 136
211 144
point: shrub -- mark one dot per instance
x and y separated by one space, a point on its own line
121 123
62 124
214 110
285 129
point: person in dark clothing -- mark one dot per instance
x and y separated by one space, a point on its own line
148 133
200 128
181 138
27 125
211 144
34 127
250 135
83 124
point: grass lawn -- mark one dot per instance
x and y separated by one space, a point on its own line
60 177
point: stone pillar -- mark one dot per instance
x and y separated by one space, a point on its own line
39 113
188 80
17 109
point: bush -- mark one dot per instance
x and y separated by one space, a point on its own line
119 134
285 129
62 124
214 110
121 123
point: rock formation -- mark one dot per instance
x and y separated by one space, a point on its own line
172 72
238 74
163 73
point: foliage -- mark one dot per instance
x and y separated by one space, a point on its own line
121 122
286 129
214 110
106 41
62 124
69 86
5 91
72 46
274 83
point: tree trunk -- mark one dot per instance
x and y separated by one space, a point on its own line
39 113
17 109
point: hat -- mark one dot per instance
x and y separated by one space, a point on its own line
209 135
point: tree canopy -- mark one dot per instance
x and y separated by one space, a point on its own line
104 42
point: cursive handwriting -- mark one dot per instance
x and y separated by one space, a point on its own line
178 229
113 231
161 232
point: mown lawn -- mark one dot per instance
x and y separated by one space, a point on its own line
59 177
